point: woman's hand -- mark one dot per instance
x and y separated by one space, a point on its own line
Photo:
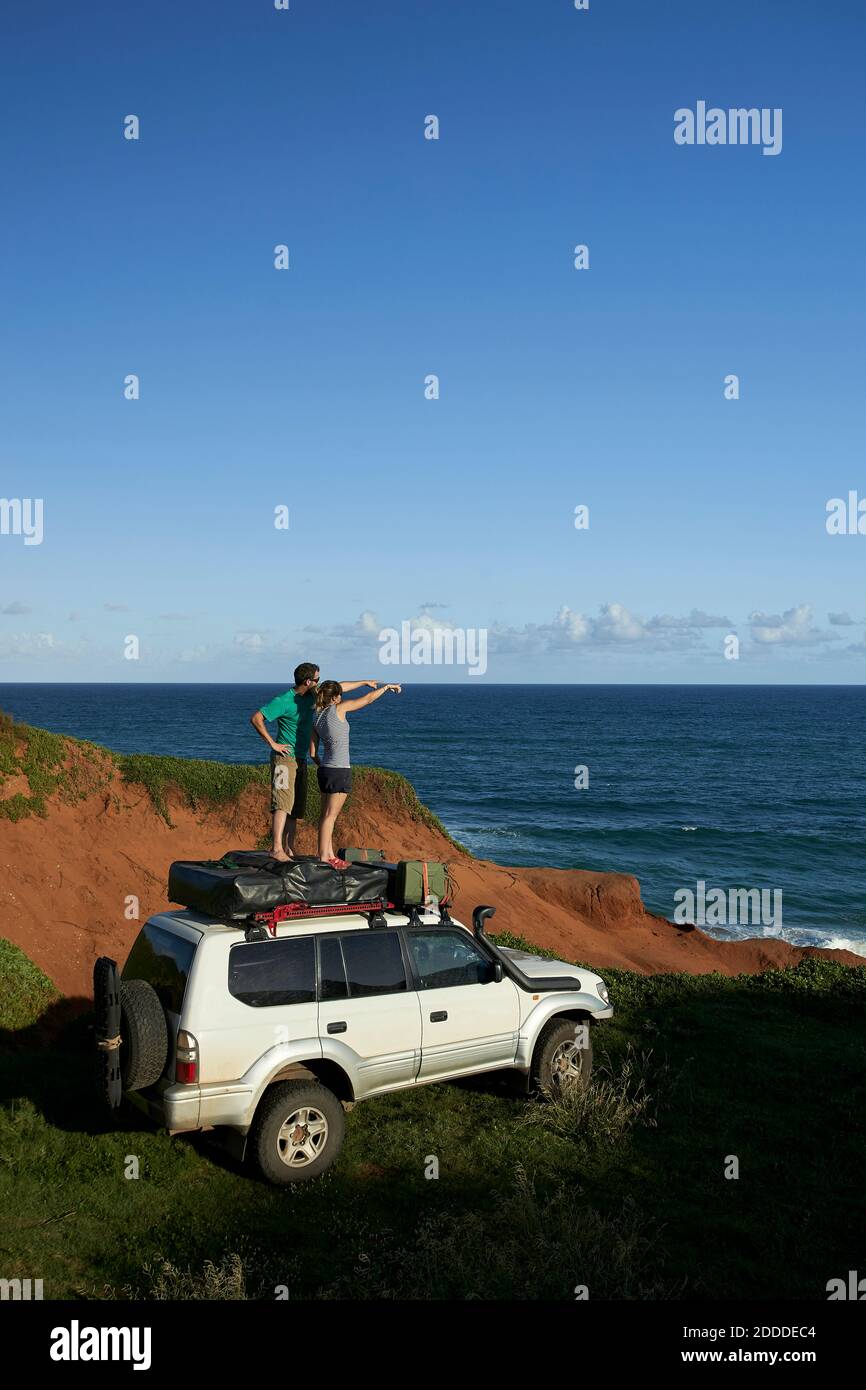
397 689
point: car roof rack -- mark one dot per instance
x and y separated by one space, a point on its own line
264 924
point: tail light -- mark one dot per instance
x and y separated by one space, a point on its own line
186 1059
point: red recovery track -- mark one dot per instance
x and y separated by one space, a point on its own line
293 912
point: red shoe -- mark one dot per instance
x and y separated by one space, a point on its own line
339 863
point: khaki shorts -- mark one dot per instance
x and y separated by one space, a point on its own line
288 785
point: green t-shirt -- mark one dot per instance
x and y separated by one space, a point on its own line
294 715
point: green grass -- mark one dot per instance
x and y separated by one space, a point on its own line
51 763
623 1190
24 991
200 782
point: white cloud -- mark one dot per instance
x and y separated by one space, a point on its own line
616 624
696 619
614 627
15 609
251 641
190 655
841 619
40 646
575 626
793 628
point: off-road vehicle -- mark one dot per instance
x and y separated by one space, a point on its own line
267 1042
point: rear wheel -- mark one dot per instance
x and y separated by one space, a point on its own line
562 1057
298 1131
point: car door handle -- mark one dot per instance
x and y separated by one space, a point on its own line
439 1017
336 1027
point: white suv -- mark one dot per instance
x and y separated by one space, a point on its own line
269 1041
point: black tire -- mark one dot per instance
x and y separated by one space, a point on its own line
279 1104
552 1050
144 1049
106 1010
106 997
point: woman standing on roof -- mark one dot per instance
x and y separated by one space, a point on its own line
329 749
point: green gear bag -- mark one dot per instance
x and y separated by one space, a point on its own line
417 880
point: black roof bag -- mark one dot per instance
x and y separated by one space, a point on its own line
244 882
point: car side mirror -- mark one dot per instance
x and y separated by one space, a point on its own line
497 971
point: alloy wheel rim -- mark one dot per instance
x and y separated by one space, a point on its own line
566 1065
302 1137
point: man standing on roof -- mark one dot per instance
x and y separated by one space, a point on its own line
294 712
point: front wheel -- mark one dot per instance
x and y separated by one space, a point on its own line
563 1056
297 1133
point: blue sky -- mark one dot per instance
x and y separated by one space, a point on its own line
408 256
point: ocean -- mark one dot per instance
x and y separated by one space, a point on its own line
751 787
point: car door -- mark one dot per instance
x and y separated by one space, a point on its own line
369 1014
469 1020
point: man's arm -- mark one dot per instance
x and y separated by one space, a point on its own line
258 722
314 747
353 685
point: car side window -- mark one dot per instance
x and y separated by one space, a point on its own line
446 958
374 963
268 973
332 969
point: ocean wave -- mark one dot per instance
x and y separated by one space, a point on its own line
842 943
503 830
822 940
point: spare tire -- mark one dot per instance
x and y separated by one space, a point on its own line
144 1033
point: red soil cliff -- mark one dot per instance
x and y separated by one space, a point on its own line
66 881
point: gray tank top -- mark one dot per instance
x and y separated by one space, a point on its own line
333 738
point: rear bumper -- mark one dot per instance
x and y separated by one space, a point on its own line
182 1109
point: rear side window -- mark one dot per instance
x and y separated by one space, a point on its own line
163 960
374 964
267 973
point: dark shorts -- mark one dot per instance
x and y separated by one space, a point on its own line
335 779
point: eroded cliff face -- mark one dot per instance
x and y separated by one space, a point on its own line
72 880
